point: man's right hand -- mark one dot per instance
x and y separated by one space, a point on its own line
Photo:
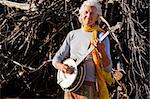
64 68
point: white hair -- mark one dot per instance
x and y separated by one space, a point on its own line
94 3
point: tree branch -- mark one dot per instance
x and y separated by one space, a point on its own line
22 6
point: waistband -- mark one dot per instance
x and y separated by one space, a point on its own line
89 83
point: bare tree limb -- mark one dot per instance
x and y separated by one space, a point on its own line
22 6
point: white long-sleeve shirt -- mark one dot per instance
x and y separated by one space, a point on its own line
76 45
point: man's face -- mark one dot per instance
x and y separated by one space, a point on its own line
89 15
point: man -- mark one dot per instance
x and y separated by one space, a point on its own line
98 63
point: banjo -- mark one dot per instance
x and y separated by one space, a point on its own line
73 81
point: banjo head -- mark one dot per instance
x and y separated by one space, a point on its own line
66 80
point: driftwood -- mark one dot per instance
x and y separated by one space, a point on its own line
21 6
32 32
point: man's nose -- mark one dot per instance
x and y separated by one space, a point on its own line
88 15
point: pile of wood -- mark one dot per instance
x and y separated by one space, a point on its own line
32 31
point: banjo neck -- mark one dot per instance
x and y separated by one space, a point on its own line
91 49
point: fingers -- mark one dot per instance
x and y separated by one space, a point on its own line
64 68
94 42
99 45
67 69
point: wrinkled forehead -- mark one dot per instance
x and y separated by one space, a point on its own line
89 8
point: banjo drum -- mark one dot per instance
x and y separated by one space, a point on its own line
71 82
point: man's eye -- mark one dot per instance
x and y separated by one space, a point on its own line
86 12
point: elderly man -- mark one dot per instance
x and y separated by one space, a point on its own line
98 63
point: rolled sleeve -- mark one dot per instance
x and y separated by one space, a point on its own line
62 52
107 50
